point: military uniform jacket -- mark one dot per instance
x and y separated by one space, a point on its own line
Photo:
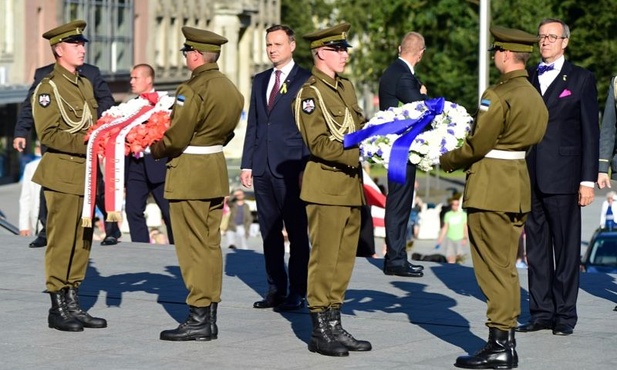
608 137
512 117
333 174
207 109
63 166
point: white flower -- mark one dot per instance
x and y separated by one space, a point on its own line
446 132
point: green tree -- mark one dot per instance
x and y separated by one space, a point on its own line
450 28
451 31
592 43
303 16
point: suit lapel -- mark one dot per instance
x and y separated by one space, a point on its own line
558 85
264 88
287 84
533 78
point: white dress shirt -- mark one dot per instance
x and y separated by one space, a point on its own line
285 71
547 78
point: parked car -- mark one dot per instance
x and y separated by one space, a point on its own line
601 254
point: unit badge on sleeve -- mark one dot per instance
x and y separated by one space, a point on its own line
308 105
44 100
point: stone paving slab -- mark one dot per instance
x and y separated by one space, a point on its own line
416 323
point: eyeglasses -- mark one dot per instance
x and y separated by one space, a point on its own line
551 37
338 49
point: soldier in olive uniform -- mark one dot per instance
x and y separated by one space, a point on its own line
326 109
64 107
206 111
511 118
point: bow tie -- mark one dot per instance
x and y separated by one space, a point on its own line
545 68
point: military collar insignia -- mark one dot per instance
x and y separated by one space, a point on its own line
44 100
308 105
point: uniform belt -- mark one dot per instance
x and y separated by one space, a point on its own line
193 149
503 154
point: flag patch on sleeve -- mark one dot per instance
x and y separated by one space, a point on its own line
484 105
180 100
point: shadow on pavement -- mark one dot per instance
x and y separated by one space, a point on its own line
169 288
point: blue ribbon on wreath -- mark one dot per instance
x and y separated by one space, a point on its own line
408 129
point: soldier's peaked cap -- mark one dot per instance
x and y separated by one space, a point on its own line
513 39
202 40
69 32
333 36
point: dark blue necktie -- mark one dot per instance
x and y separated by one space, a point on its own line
545 68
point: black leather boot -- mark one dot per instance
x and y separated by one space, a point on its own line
196 326
59 317
214 330
342 336
498 353
322 339
72 304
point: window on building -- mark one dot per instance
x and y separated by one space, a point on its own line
110 31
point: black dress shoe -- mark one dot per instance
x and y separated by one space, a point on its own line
271 301
39 242
533 326
405 270
292 302
562 329
416 267
110 240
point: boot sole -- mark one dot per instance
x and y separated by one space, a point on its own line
187 339
359 350
94 326
333 354
514 366
66 329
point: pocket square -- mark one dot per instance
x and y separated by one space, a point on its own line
565 93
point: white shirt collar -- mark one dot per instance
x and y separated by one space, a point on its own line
408 65
285 70
558 64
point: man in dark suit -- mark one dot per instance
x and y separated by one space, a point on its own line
273 160
24 126
563 168
399 85
144 175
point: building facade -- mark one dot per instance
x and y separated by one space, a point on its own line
123 33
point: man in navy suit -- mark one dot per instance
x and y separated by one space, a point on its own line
144 175
273 159
563 168
24 125
398 84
